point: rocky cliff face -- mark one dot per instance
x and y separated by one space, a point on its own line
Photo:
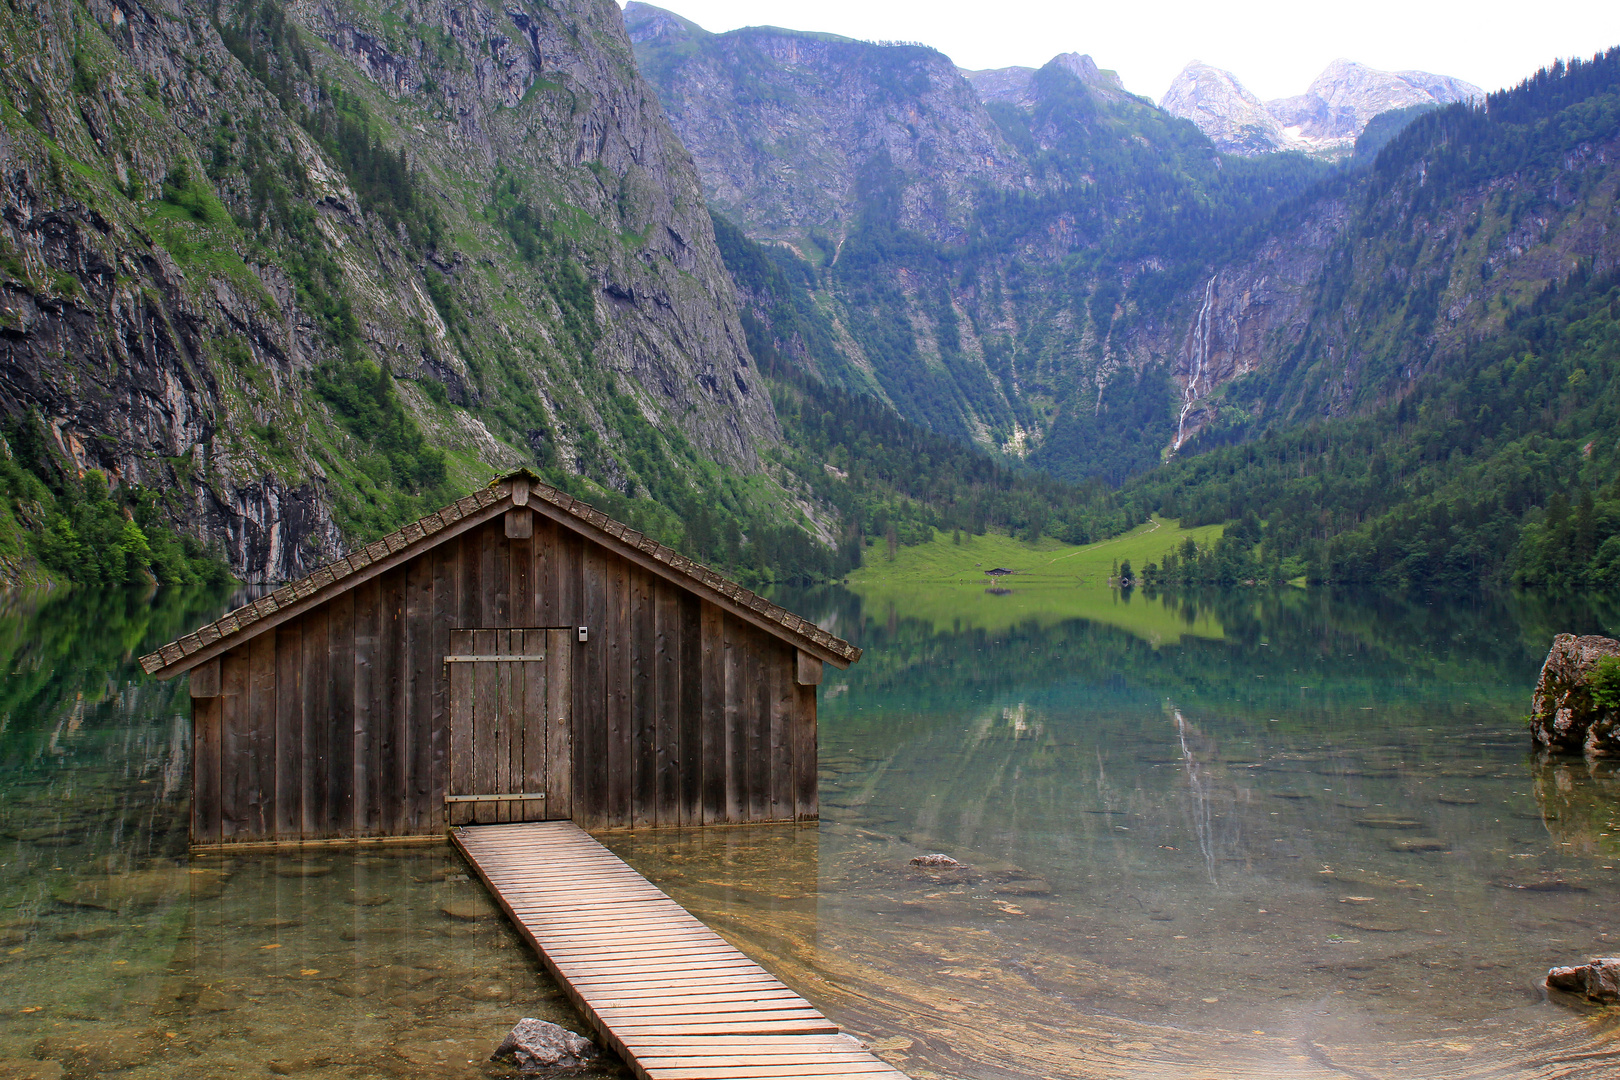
1336 313
786 127
1233 118
1326 119
551 96
214 220
1016 85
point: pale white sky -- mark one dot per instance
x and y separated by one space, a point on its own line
1274 47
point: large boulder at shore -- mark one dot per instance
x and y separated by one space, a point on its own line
1563 715
1595 980
539 1046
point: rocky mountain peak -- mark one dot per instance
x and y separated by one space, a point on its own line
1347 95
1016 85
1326 119
1224 110
644 22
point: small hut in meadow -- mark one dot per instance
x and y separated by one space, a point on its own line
516 656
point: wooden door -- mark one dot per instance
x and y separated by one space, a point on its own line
511 743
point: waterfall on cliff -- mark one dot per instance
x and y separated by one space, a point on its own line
1200 356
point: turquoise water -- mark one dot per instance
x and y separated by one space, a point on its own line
120 955
1313 845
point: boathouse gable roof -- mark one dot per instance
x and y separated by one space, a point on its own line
521 488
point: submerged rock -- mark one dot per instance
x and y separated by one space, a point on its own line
468 910
1388 821
937 861
1546 883
537 1044
1420 843
1564 715
303 870
1596 980
118 892
87 1051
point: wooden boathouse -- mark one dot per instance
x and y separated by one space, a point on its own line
508 667
516 656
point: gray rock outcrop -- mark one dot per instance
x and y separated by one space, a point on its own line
1326 119
1234 119
1341 100
537 1045
179 350
1596 980
1564 716
1016 85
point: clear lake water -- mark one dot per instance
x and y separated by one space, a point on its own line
1308 840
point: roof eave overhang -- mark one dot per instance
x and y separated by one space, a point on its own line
581 518
373 564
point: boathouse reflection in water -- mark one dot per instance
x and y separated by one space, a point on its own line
1125 866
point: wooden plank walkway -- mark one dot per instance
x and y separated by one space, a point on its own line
669 994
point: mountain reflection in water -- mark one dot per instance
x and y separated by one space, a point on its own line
1315 845
1308 840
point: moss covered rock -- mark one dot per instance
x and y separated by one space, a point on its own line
1568 713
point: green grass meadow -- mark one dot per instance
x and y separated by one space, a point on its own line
945 583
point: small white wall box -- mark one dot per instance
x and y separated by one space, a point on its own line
584 635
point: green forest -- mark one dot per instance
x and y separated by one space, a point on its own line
1492 461
1502 470
1500 467
78 528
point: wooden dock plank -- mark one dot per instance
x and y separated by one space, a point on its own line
671 996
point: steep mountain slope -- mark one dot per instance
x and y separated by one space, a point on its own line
1006 273
1115 275
1462 336
809 112
1391 272
294 272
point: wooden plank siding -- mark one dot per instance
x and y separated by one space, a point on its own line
674 711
